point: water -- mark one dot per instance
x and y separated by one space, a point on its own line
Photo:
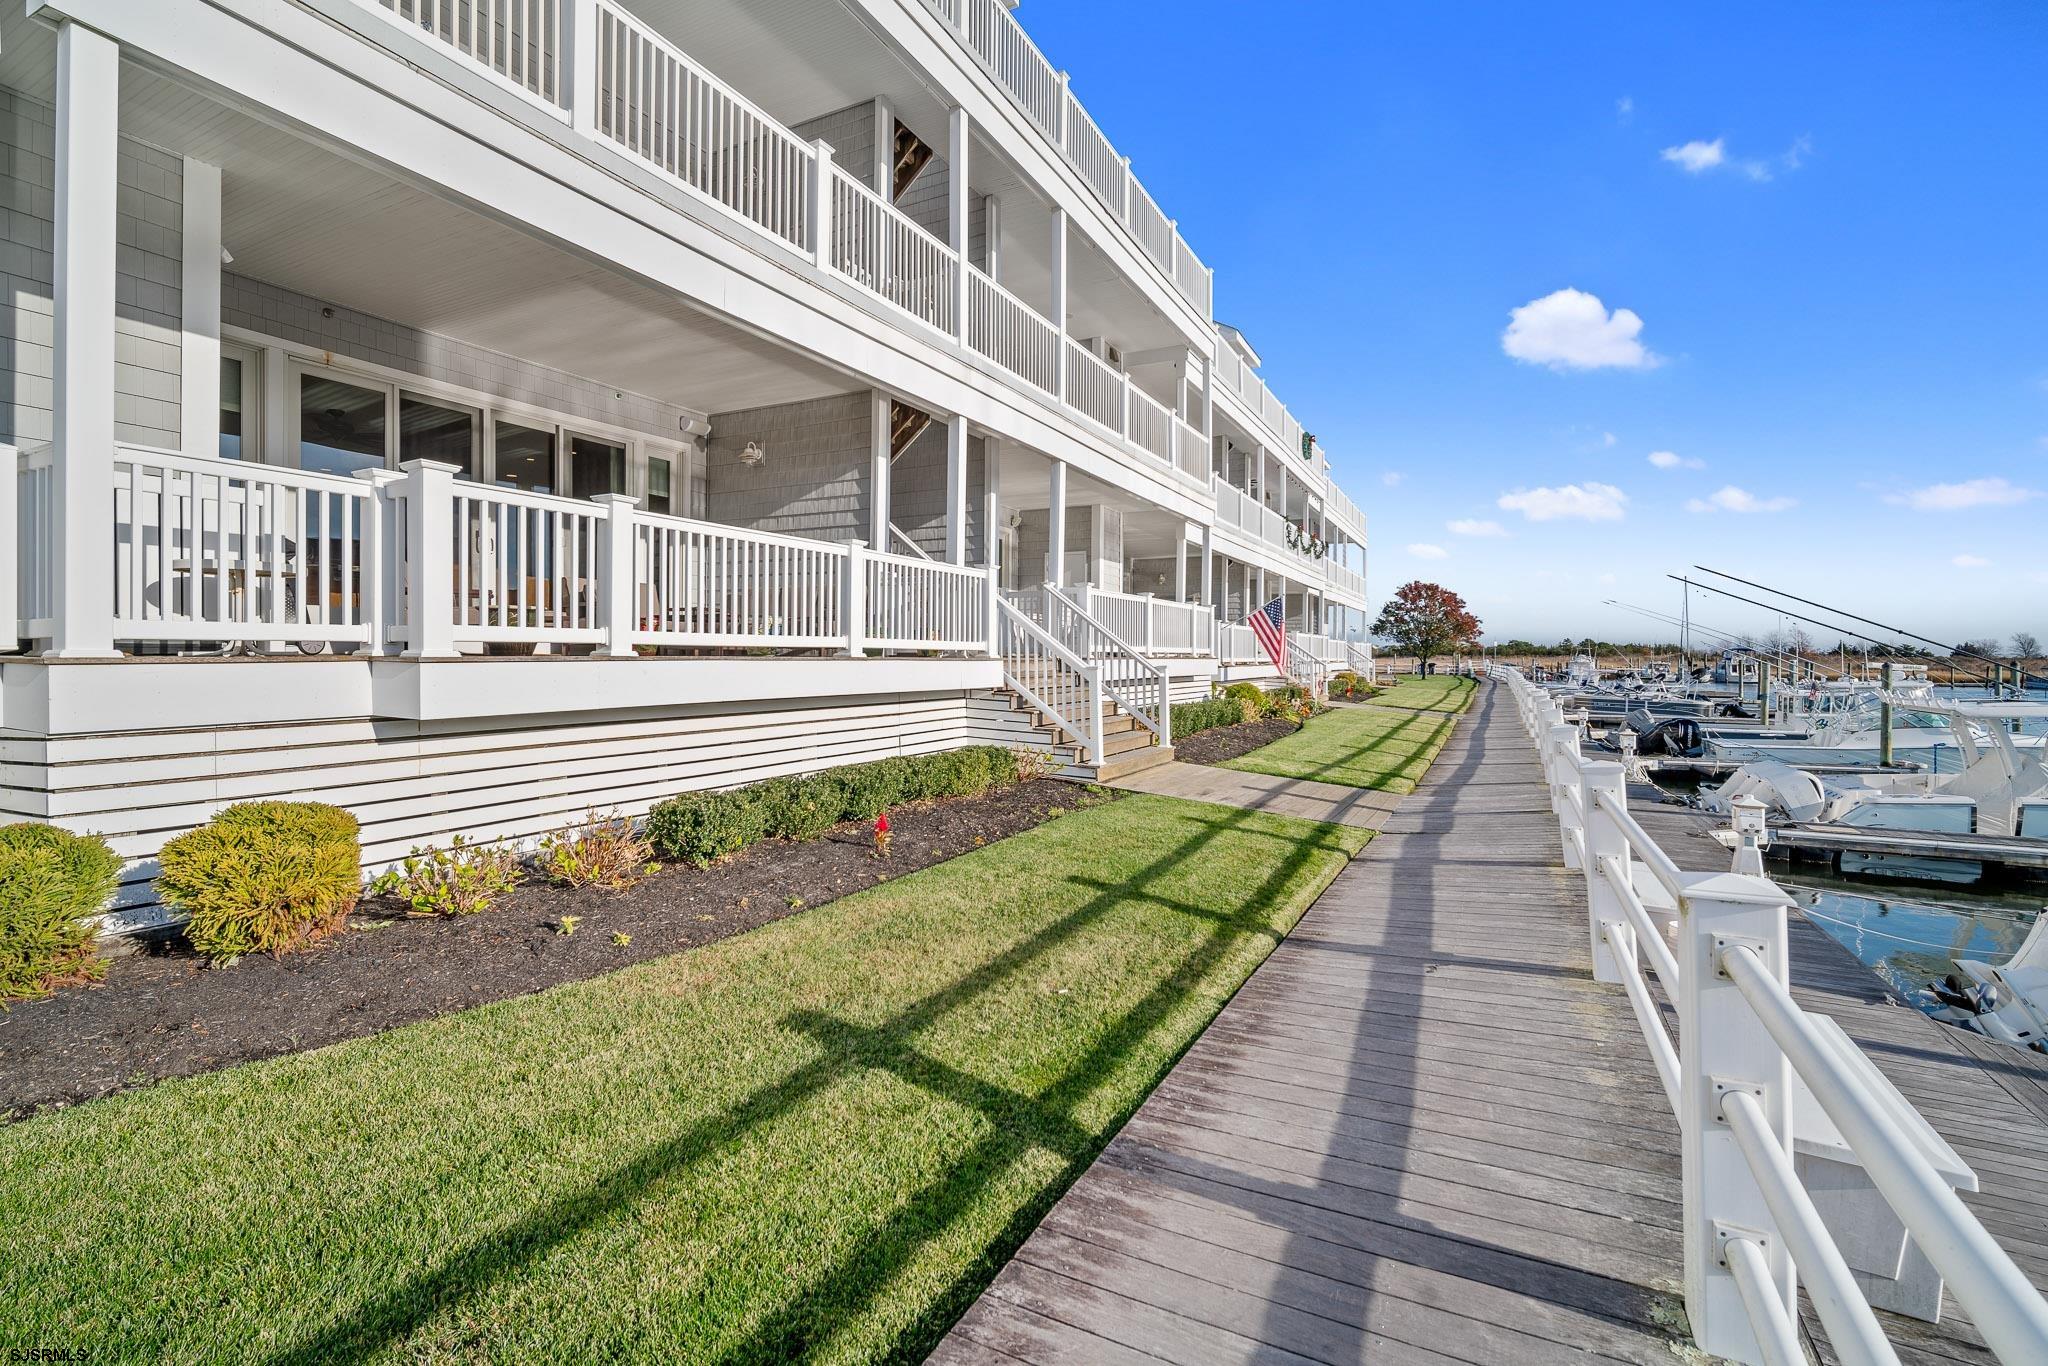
1910 938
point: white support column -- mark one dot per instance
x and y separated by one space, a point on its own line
1726 1048
959 147
1208 564
991 531
617 590
1209 406
199 290
1180 562
1056 527
956 490
10 559
87 148
878 470
1059 295
430 568
885 150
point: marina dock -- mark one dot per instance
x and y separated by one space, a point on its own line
1423 1132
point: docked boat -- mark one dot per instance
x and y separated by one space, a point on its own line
2007 1002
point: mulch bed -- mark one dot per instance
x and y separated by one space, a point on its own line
1225 743
161 1012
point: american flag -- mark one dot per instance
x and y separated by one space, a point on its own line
1269 624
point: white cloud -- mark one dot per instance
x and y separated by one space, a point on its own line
1625 108
1608 439
1970 493
1729 498
1472 526
1696 157
1970 562
1392 478
1429 552
1608 580
1672 460
1572 330
1588 502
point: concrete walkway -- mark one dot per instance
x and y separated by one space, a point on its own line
1260 792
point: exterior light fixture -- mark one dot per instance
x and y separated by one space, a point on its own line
753 456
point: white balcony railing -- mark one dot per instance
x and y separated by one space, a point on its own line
698 583
639 94
1012 333
1751 1072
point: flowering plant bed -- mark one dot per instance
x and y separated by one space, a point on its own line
162 1013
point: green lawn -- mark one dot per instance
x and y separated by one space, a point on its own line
1386 744
1438 692
823 1136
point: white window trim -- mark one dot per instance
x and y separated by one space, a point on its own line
290 359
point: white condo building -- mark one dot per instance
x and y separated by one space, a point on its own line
474 412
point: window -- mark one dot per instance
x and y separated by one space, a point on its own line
658 476
526 458
342 426
428 430
595 467
238 392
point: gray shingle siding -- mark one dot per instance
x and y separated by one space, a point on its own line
149 307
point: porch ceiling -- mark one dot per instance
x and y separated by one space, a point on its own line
309 220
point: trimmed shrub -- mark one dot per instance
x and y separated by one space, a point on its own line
50 881
263 877
1251 699
462 879
1191 718
700 828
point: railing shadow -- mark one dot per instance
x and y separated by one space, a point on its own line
1019 1124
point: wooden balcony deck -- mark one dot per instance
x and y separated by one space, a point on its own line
1421 1132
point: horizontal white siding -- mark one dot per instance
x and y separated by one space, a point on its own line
421 783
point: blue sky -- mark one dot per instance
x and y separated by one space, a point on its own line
1827 226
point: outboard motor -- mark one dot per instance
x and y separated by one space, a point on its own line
1679 736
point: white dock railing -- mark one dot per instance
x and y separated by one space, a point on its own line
1750 1075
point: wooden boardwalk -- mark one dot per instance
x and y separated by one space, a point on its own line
1419 1133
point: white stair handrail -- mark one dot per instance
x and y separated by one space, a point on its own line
1023 641
1126 673
1751 1230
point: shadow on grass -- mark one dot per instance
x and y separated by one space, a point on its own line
1019 1124
1407 766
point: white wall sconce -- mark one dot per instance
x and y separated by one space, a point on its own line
753 456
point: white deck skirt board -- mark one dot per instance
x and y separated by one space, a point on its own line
459 134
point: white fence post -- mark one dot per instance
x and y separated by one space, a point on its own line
619 591
1566 787
1097 752
430 563
12 544
1607 841
582 42
990 601
855 605
820 194
1723 1046
1147 645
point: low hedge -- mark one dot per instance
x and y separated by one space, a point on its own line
263 877
1190 718
702 827
50 881
1252 700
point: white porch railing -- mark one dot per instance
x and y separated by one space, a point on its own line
215 550
1094 388
1191 452
1151 424
1306 664
520 41
1749 1072
1348 579
1154 626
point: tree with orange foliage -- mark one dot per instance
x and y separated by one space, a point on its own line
1425 620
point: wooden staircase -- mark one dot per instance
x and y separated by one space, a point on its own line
1128 746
